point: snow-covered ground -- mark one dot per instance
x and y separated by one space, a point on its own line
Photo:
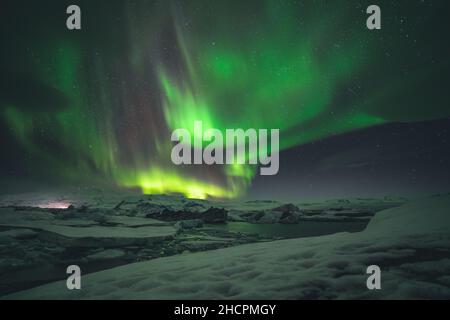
125 227
124 202
411 245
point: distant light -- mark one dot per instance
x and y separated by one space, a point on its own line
54 205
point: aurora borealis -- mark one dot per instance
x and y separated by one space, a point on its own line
97 106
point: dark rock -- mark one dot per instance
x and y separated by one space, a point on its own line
189 224
193 205
212 215
256 216
286 208
215 215
261 201
119 205
83 209
290 218
152 208
355 214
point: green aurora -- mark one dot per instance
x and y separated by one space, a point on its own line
140 69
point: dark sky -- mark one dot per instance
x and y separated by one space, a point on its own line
399 159
360 112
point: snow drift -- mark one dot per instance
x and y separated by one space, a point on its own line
410 244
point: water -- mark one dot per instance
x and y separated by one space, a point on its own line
303 229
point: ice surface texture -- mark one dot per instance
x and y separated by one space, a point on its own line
410 244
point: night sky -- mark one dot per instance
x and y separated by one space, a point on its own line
360 112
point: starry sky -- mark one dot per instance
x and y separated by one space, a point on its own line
360 112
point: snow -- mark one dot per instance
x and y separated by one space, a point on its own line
106 255
414 218
18 234
410 244
128 227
